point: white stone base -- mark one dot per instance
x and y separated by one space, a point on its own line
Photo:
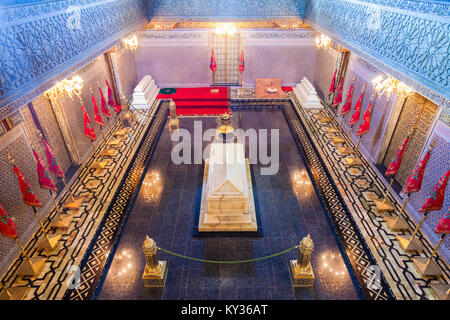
242 222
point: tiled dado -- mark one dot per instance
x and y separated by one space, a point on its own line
53 280
358 186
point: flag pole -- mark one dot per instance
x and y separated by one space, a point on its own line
63 221
398 223
47 242
426 267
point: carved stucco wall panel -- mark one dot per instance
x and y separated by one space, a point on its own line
93 75
438 164
226 9
49 124
16 142
410 45
37 43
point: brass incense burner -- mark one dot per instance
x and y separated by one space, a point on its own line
225 121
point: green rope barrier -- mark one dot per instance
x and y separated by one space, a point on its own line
228 262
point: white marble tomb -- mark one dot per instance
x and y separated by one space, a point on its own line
227 191
307 95
145 93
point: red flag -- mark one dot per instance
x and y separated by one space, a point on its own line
97 116
105 109
365 126
51 161
355 117
443 226
111 100
397 161
333 83
88 129
436 200
7 225
241 62
338 96
348 101
414 182
212 63
45 181
117 108
28 195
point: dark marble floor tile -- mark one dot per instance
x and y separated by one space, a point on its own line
288 212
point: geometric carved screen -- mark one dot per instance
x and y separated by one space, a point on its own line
227 53
415 106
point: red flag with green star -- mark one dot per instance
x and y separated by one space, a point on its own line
365 126
396 162
88 128
414 182
45 181
443 226
436 200
355 117
111 100
105 109
28 195
338 96
333 83
7 225
51 161
348 101
97 116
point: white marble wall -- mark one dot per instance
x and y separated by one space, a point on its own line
181 58
125 68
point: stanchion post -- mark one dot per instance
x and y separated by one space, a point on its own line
155 272
302 274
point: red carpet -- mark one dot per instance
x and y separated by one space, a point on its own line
199 101
287 89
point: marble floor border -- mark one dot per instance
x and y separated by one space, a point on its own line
52 281
101 250
355 251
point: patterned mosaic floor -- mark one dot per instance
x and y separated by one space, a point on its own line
346 194
52 281
358 186
289 209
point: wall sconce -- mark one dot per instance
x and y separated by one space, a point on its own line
66 87
131 42
323 41
390 85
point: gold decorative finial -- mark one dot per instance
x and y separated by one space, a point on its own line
149 246
39 133
11 160
432 144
